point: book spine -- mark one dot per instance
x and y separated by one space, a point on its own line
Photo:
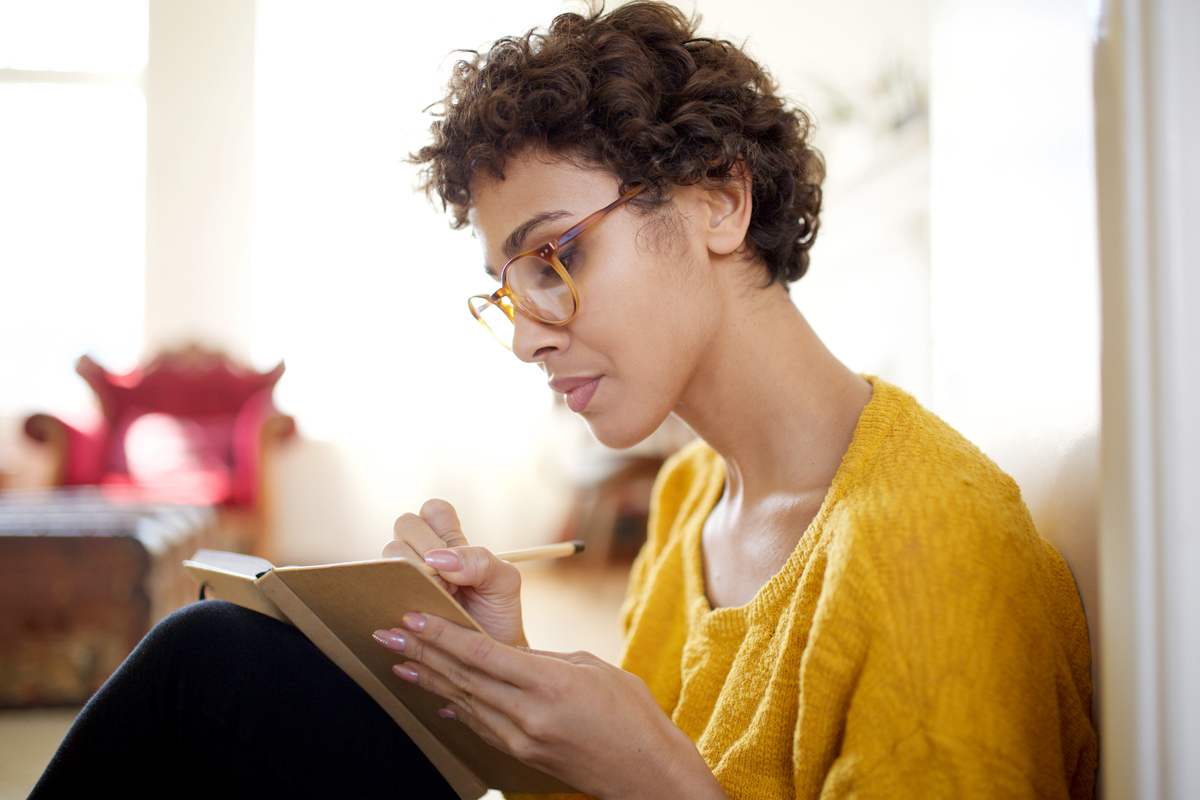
461 778
232 587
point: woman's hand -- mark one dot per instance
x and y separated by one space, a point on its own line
488 588
571 715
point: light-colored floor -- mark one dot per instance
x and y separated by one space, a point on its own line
565 609
27 740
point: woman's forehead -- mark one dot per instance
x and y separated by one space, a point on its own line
539 180
534 195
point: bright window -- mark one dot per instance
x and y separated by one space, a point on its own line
72 194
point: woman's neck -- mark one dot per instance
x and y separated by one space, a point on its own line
781 410
773 401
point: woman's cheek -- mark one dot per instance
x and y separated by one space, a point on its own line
628 415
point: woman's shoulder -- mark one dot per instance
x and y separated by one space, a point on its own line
928 514
969 619
920 505
908 467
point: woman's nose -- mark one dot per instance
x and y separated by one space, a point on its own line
533 341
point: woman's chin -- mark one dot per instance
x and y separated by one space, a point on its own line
617 436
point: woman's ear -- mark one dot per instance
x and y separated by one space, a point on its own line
727 213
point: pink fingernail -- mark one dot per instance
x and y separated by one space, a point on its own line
414 622
405 672
446 560
446 713
390 640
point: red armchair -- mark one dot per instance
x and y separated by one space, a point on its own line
191 426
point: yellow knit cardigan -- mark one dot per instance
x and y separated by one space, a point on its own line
922 641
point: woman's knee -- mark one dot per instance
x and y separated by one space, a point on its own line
213 636
207 625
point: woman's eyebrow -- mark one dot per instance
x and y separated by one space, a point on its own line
516 239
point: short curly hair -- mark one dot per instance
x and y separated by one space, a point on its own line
637 93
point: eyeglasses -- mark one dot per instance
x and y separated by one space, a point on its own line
536 283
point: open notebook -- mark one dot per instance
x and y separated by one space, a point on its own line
338 606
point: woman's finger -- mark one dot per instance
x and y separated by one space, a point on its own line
488 722
412 539
447 676
415 532
474 650
495 584
442 519
398 548
478 567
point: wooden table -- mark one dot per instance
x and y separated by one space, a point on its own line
82 579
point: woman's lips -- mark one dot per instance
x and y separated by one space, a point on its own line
578 393
578 398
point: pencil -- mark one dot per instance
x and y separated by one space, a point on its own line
560 550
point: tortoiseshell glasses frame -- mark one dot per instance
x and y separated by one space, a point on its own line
536 282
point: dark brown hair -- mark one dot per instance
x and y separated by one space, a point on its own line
636 93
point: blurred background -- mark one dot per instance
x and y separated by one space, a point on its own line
231 174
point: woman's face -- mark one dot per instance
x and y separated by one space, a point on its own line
648 304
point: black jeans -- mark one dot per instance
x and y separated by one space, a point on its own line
218 701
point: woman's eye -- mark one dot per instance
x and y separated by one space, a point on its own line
567 255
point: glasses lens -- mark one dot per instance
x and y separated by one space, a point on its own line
539 290
494 319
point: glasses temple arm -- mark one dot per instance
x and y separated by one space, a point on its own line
595 217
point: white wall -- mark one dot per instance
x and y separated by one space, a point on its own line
862 68
1014 282
362 287
72 207
199 151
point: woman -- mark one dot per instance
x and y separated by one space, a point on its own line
839 596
